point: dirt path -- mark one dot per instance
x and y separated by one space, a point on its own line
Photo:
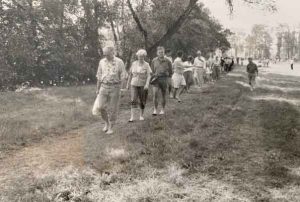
72 148
38 159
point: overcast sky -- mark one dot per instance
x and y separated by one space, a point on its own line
245 17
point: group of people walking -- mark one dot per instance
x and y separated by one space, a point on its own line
167 77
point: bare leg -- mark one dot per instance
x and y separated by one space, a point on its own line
164 100
175 92
104 116
134 94
155 99
142 96
170 88
182 90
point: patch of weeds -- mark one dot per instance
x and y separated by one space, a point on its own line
15 133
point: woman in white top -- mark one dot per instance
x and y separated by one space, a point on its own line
199 69
178 80
209 67
139 79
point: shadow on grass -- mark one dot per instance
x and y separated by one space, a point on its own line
281 128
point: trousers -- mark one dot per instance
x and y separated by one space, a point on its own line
109 102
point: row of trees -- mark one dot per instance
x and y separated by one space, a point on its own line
62 39
257 44
288 42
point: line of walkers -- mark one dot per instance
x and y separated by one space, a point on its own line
166 76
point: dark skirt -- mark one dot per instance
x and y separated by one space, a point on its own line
188 76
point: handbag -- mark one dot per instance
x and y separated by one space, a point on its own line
96 106
153 79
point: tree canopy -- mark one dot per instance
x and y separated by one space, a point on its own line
61 40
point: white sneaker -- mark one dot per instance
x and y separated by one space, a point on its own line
162 112
178 99
142 118
105 129
109 132
154 112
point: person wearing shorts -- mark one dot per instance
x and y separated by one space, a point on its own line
252 71
162 71
139 78
178 80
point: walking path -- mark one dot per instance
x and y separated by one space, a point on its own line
75 148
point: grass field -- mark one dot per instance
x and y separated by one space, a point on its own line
223 143
27 117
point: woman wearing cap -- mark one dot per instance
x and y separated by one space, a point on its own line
139 79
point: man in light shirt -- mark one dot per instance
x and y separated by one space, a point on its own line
200 65
111 73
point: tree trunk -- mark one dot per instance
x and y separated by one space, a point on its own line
174 27
169 33
1 7
91 34
139 24
110 19
33 25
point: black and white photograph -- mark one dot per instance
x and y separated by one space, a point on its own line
149 100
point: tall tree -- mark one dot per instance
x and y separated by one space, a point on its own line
172 29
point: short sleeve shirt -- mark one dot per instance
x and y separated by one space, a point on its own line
178 66
217 62
140 73
111 72
252 68
210 62
169 58
292 61
200 62
228 61
162 67
188 67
